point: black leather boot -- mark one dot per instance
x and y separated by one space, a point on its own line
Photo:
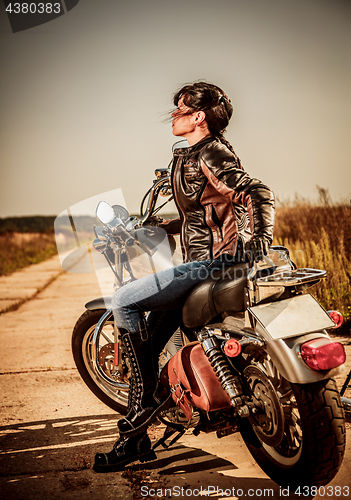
125 451
145 400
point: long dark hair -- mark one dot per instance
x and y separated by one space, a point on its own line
212 100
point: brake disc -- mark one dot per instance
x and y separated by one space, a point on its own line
106 357
268 416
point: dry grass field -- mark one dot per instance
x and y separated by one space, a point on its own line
319 237
18 250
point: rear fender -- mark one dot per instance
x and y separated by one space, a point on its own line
285 356
286 325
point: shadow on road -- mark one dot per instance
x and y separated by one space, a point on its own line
53 459
172 461
32 447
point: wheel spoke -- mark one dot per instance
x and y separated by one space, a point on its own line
106 337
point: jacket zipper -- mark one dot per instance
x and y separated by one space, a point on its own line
174 171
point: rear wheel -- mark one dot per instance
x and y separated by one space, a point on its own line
303 442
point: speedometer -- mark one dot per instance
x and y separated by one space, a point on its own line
121 212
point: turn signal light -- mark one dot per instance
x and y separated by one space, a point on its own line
322 354
336 316
232 348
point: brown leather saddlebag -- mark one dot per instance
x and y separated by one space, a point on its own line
193 382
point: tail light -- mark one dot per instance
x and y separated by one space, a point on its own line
232 348
323 354
336 316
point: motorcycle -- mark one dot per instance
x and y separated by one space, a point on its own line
253 357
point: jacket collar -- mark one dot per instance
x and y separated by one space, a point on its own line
195 148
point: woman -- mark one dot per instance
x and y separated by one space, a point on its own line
208 184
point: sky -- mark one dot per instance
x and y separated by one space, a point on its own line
85 96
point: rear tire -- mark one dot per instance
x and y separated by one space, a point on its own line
81 348
313 444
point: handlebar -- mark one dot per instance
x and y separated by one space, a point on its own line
119 230
153 195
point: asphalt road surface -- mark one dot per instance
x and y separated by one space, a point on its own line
52 425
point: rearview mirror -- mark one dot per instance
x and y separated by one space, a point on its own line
104 212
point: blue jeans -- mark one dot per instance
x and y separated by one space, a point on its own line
162 295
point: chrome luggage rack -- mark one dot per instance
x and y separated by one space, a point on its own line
291 278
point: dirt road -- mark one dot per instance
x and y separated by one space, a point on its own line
52 426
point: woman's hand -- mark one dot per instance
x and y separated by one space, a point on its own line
257 248
154 220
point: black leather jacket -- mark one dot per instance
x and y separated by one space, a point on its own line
210 189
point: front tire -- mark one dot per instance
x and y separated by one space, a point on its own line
81 348
313 444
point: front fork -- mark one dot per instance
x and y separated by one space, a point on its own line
95 348
117 358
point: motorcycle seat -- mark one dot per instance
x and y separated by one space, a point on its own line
222 291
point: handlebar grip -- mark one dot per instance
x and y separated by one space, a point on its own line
123 233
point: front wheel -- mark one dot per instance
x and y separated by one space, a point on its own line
82 336
312 444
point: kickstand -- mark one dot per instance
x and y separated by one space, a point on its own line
169 431
346 383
